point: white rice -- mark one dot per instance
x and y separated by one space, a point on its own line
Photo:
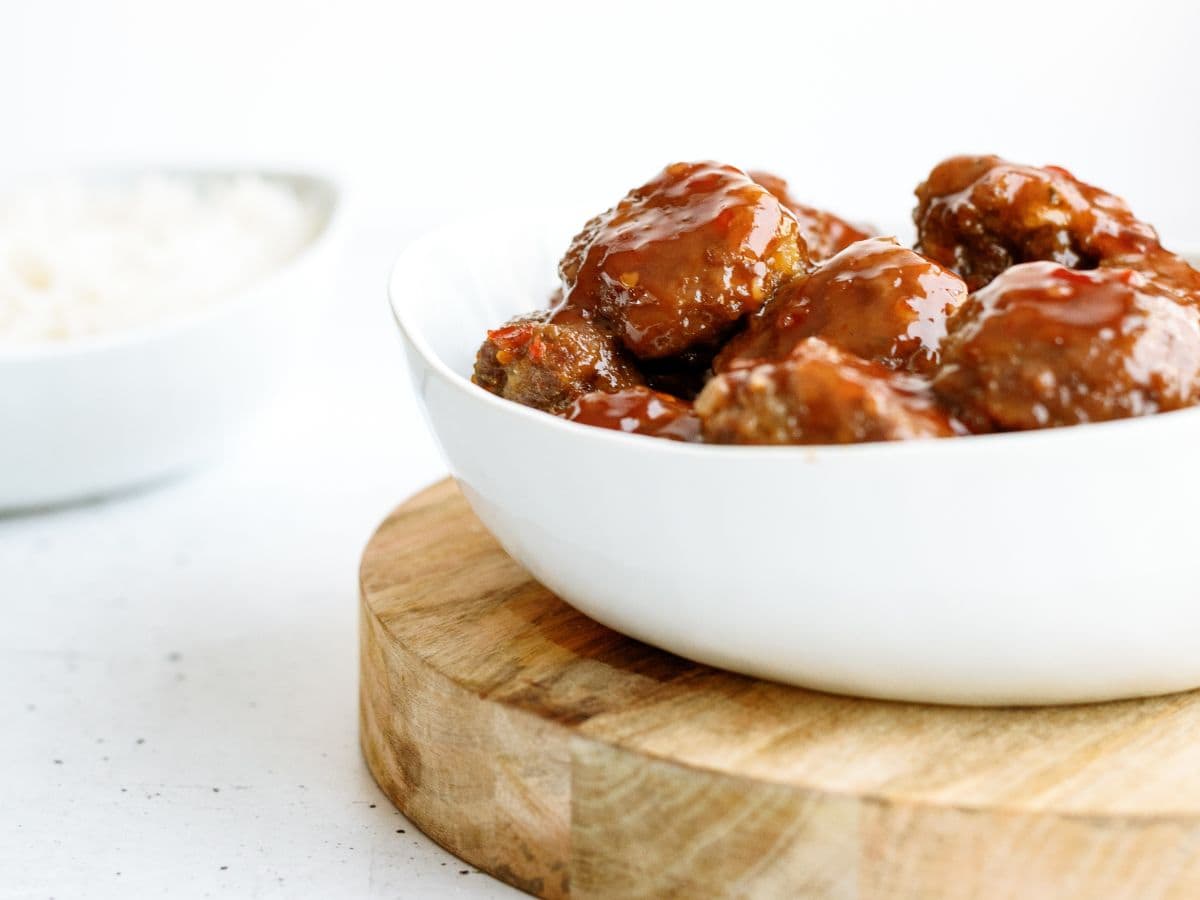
80 258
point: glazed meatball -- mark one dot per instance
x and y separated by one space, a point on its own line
823 232
1169 272
979 215
875 299
1044 345
818 395
547 365
638 410
679 261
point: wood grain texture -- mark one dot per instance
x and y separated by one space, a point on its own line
569 760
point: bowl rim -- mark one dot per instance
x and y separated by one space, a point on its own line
968 443
330 230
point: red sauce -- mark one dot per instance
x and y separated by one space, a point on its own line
638 411
680 260
1031 300
875 299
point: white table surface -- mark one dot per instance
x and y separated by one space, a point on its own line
178 667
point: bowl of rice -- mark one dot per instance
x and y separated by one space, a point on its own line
146 317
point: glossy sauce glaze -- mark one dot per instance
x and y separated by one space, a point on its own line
786 325
678 262
638 411
875 299
978 215
1043 345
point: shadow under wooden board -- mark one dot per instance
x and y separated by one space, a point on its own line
567 759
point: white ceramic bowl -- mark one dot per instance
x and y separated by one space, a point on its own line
94 415
1048 567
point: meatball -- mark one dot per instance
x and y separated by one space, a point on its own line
547 365
638 410
1170 272
824 232
679 261
979 215
1044 345
818 395
875 299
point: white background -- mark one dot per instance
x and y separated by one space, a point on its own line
432 105
214 618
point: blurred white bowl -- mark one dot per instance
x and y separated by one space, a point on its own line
94 415
1049 567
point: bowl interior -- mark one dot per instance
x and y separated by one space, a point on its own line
449 288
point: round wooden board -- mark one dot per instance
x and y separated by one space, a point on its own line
566 759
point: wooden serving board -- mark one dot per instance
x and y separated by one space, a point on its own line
567 759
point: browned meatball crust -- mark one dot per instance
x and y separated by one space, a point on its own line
1044 345
980 214
638 410
679 261
818 395
874 299
547 365
823 232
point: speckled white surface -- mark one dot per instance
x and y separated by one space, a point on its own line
178 667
